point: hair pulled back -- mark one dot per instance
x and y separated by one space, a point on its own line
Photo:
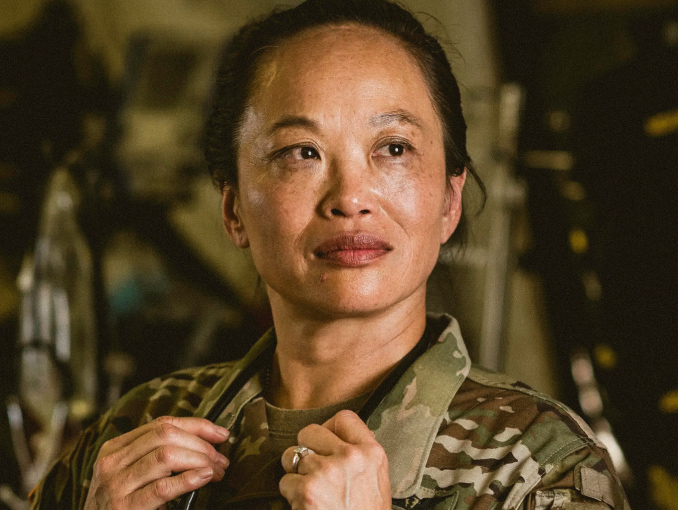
243 55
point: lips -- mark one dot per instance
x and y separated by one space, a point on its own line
352 250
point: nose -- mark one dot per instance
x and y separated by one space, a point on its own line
350 191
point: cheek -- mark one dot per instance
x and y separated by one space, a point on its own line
273 213
417 200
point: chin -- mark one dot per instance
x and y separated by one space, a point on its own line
344 294
353 303
338 311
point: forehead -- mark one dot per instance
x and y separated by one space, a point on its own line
337 42
341 60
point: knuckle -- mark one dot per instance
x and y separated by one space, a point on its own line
169 420
308 491
205 460
346 418
108 445
212 456
164 431
307 432
204 422
374 451
345 414
353 455
103 466
332 471
164 454
162 489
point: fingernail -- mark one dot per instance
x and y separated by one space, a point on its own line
223 432
205 473
222 460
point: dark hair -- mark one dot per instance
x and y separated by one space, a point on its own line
244 53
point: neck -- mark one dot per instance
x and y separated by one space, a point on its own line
319 362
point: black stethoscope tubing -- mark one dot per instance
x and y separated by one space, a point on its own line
265 357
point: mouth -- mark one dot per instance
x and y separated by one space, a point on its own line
352 250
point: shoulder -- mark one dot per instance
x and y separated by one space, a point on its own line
508 404
175 394
502 441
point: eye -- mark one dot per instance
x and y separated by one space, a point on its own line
305 152
296 157
393 150
396 149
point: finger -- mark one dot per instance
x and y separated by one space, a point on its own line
319 439
200 427
304 464
348 426
323 441
289 486
166 489
196 426
164 461
163 433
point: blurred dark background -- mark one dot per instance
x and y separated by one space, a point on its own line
568 280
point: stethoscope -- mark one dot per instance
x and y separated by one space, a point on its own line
264 358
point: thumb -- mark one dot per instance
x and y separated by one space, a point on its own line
348 426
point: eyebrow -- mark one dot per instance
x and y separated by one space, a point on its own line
293 121
395 117
379 120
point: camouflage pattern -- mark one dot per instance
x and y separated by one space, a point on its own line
457 436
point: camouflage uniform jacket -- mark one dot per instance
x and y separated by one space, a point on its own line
457 437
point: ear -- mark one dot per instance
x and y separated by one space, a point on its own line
452 206
233 224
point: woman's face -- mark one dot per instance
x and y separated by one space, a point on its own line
342 193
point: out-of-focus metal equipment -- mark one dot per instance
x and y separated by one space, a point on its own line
57 343
160 123
506 194
490 257
168 77
591 402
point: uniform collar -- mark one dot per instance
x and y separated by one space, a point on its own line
406 422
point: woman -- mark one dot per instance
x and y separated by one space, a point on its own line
338 142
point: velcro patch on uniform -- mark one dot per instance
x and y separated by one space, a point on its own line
565 499
586 506
593 484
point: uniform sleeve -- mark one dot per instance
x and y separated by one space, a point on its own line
583 480
178 394
66 483
504 444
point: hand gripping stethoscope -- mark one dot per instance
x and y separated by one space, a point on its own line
264 358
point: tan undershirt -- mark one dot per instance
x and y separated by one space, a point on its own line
284 424
265 432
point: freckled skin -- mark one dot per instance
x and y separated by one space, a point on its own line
340 79
344 201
